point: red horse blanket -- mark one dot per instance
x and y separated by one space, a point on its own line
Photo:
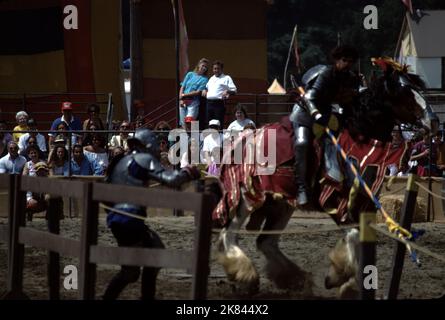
371 159
246 179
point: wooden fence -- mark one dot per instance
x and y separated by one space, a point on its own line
90 253
87 250
368 240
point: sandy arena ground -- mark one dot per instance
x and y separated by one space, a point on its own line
308 250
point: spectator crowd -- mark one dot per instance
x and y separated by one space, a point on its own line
69 150
425 155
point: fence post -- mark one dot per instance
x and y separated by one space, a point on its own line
367 253
24 102
109 112
202 243
256 110
53 215
406 218
11 195
109 118
14 285
178 212
87 272
70 169
430 198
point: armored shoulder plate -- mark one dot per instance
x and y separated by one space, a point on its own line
119 173
145 160
312 74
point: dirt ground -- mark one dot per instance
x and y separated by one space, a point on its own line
308 250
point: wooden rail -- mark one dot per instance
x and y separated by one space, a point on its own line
87 250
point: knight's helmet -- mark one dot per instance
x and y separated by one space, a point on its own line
146 139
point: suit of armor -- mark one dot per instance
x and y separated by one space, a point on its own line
325 86
137 169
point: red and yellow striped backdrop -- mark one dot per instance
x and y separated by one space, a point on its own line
88 59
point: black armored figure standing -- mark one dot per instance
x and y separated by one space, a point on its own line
137 168
325 86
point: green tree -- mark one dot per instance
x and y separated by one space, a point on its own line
319 23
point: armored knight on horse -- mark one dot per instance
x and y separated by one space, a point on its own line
325 86
363 119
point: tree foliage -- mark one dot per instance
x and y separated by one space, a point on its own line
321 21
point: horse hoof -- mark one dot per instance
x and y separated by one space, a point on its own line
308 285
238 266
289 276
295 283
247 289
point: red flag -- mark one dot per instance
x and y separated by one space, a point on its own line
408 5
183 40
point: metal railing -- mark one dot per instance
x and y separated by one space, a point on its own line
255 104
14 102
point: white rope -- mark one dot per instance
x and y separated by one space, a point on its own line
408 243
390 192
277 232
131 215
124 213
289 231
245 232
430 192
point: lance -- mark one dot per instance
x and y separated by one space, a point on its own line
294 34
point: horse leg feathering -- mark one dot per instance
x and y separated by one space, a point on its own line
237 265
343 269
279 268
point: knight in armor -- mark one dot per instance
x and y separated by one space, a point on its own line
329 89
138 168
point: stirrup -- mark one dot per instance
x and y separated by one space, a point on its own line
302 198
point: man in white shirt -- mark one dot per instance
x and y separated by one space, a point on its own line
211 141
120 140
40 138
219 87
12 163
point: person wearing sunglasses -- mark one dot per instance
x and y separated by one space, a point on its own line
325 86
120 140
93 111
